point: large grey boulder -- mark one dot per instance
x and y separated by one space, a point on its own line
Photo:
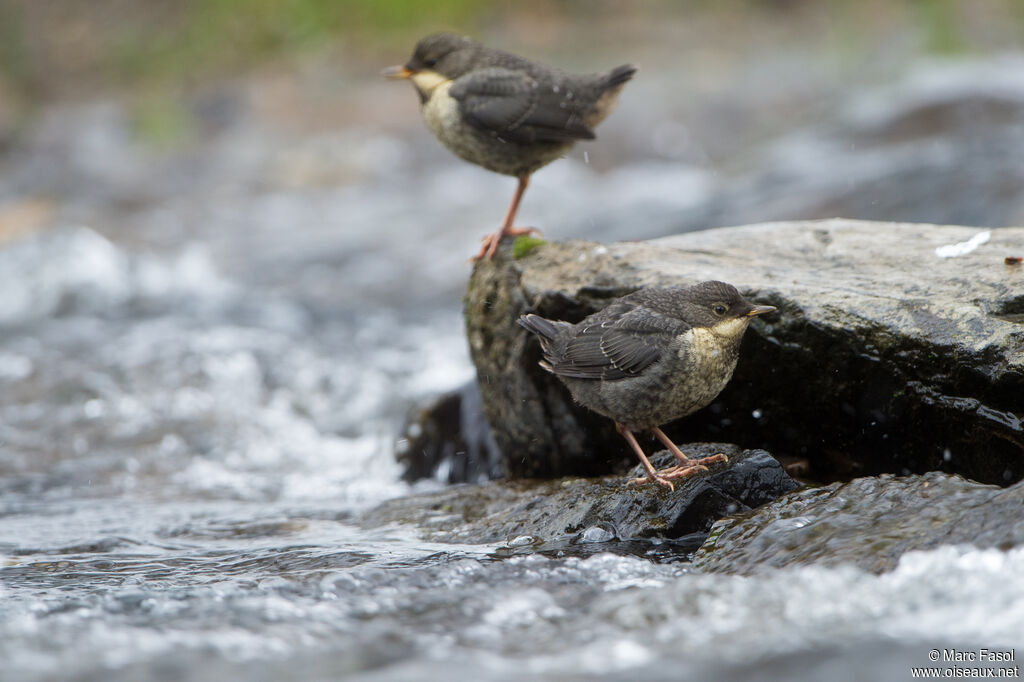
897 347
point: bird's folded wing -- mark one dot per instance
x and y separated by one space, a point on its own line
622 346
513 106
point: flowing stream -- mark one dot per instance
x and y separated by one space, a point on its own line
205 363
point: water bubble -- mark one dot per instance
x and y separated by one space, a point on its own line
521 541
93 408
15 367
596 534
786 525
170 444
444 470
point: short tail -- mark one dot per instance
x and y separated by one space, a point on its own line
619 75
547 331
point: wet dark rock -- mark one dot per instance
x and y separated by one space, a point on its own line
449 439
883 357
536 513
868 522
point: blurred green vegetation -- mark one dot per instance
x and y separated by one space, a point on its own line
227 35
939 18
53 48
524 244
49 46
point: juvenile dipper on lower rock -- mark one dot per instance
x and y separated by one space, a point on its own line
651 357
503 112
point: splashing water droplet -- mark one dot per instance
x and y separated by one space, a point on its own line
596 534
521 541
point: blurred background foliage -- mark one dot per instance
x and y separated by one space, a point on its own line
66 48
157 54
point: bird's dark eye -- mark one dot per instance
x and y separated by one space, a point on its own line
430 62
719 309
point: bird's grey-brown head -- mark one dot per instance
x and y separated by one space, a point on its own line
446 53
717 306
438 58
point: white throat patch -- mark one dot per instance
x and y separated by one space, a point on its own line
711 342
730 328
427 81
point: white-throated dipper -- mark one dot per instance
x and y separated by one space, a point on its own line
648 358
503 112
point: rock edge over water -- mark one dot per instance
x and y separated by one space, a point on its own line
596 509
868 522
884 356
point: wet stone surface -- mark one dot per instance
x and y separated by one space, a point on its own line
868 522
535 514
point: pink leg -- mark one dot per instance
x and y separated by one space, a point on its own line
491 241
686 466
652 475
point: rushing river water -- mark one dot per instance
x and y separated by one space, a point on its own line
205 362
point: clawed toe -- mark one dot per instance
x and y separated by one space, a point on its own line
656 478
522 231
682 471
712 459
490 244
488 248
692 466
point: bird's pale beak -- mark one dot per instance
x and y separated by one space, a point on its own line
397 72
761 310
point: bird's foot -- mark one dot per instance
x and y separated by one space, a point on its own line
691 468
520 231
492 241
682 471
702 462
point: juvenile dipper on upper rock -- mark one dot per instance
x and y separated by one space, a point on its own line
503 112
651 357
